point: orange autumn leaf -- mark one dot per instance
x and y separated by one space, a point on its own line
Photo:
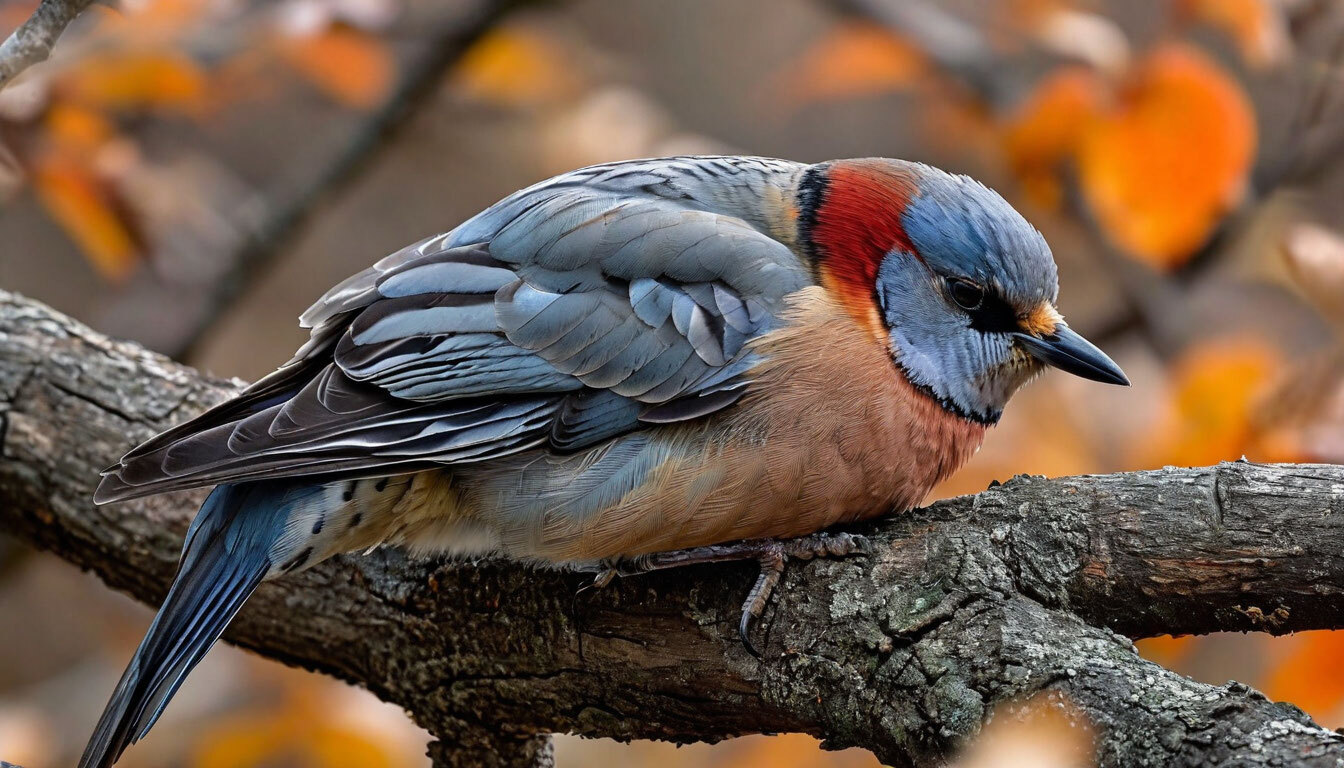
75 130
1217 388
265 739
165 79
853 59
797 750
1166 650
1312 676
1170 157
515 67
350 66
1046 129
76 200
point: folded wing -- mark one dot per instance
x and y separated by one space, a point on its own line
557 319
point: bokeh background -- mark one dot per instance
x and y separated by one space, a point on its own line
191 174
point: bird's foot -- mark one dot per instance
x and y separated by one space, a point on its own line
771 554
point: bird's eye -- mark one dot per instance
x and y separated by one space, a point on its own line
968 295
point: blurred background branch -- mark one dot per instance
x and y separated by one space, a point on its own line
967 608
419 74
32 42
253 225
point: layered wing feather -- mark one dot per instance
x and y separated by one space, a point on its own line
563 316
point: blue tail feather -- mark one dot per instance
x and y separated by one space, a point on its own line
230 549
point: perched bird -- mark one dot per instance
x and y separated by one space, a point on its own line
629 365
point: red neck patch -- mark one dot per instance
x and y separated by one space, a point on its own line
854 224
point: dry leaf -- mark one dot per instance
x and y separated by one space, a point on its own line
350 66
1315 258
612 123
1307 409
1171 156
1046 128
315 722
1082 36
1216 390
133 78
81 205
853 59
515 67
76 130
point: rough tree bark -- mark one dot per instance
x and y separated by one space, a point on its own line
964 607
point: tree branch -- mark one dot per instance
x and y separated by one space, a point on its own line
289 213
32 42
965 607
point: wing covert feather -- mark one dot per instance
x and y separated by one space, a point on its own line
568 313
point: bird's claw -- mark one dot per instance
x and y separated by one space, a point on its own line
774 554
771 554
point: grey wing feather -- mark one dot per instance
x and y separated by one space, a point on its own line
566 314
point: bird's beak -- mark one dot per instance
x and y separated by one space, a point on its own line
1067 351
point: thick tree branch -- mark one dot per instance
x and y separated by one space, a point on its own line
32 42
968 605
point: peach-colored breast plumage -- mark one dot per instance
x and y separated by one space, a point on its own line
830 432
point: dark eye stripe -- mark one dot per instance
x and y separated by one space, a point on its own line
988 311
994 316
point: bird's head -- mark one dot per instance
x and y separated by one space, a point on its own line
953 281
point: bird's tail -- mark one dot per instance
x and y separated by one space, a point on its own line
241 535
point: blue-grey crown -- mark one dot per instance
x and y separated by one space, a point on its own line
961 228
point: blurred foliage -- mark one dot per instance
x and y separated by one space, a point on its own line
70 126
1044 732
1182 157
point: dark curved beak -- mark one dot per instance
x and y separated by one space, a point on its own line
1070 352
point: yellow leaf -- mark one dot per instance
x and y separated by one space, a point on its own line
128 79
853 59
1171 156
514 67
350 66
75 199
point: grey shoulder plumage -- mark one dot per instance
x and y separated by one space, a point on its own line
578 309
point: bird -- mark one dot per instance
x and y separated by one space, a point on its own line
630 366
